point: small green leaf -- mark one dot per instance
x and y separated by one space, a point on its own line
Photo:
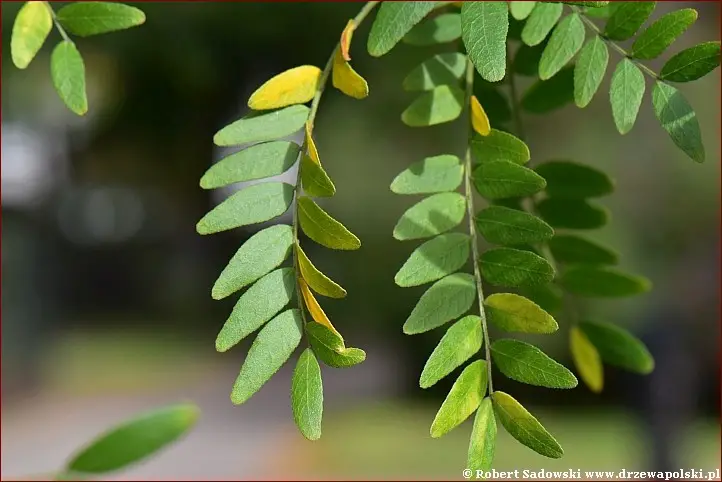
602 12
548 297
541 21
93 18
393 21
589 70
573 249
270 350
256 306
484 27
254 204
678 119
526 59
463 399
438 30
441 69
499 146
661 34
256 162
442 104
505 226
483 436
565 42
514 267
345 358
572 213
547 95
134 440
625 94
434 215
460 342
516 314
526 363
618 347
32 26
521 10
692 63
314 179
307 395
445 300
572 180
436 258
587 360
261 253
524 427
321 335
322 228
627 18
68 73
263 126
603 282
505 179
433 174
319 282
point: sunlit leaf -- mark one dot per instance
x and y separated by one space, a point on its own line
499 146
442 104
627 18
93 18
460 342
445 300
513 267
322 228
436 258
586 359
441 29
441 69
679 120
692 63
433 174
504 179
479 119
307 395
625 94
482 444
524 427
32 26
521 10
547 95
526 363
589 70
266 126
317 313
505 226
565 41
255 162
618 347
574 249
434 215
603 282
540 22
661 34
392 22
463 399
294 86
573 180
317 281
346 79
572 213
68 73
484 27
516 314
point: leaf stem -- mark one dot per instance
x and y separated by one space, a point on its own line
60 28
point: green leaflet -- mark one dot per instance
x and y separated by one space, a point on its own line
548 95
134 440
602 12
572 213
254 204
499 146
505 226
484 27
319 282
263 126
521 10
505 179
573 180
32 26
524 427
625 94
256 306
679 120
460 342
307 395
345 358
314 179
573 249
483 435
463 399
438 30
586 359
434 215
448 298
272 347
526 59
442 104
526 363
441 69
93 18
692 63
603 282
436 258
392 22
661 34
548 296
541 21
514 313
618 347
322 336
256 162
324 229
261 253
433 174
589 70
68 73
513 267
566 40
627 18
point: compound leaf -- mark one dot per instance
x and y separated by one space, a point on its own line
294 86
322 228
661 34
433 174
524 427
434 215
317 281
505 179
393 21
438 30
514 313
463 399
255 162
506 226
92 18
484 27
574 249
692 63
589 70
307 395
513 267
436 258
548 95
442 104
448 298
625 94
441 69
32 26
540 22
618 347
572 180
586 359
679 120
68 73
483 435
266 126
603 282
627 18
460 342
499 146
572 213
526 363
565 41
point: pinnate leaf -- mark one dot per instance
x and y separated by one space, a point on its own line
499 146
255 162
445 300
460 342
572 213
505 179
625 94
589 70
482 444
661 34
68 73
565 42
526 363
548 95
463 399
92 18
514 313
317 281
393 21
440 29
32 26
442 104
294 86
572 180
521 10
441 69
524 427
627 18
433 174
266 126
618 347
484 27
540 22
307 395
506 226
322 228
586 359
514 267
434 215
436 258
679 120
574 249
603 282
692 63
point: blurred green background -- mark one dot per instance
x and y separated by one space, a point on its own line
106 305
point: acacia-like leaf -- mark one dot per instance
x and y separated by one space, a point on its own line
345 358
548 95
540 22
661 34
270 350
436 258
307 395
572 213
92 18
294 86
68 73
460 342
322 335
433 174
506 226
445 300
346 79
574 249
499 146
679 120
589 70
442 104
573 180
314 179
565 41
484 27
434 215
393 21
514 313
438 30
526 363
266 126
524 427
692 63
603 282
514 267
463 399
441 69
625 94
618 347
482 444
505 179
322 228
587 360
32 26
627 18
317 281
521 10
256 162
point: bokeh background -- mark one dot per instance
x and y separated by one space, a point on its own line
106 306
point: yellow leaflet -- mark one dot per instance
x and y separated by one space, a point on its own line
346 36
314 308
346 79
479 119
587 360
294 86
311 146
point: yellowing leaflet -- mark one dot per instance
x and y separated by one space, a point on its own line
314 308
479 119
294 86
